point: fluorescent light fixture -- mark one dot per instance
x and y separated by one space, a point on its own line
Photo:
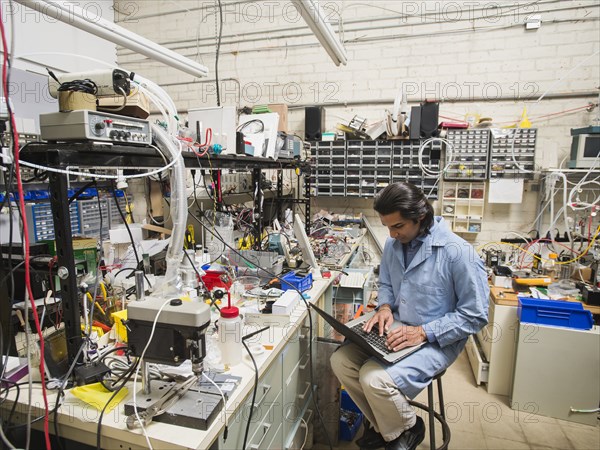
87 21
314 16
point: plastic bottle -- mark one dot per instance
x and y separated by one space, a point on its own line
230 335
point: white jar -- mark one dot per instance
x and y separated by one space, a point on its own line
230 336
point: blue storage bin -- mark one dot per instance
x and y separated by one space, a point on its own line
300 283
41 195
557 313
350 417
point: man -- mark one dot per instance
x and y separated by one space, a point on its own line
435 284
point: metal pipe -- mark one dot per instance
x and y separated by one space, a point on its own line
506 98
139 285
394 38
146 389
290 32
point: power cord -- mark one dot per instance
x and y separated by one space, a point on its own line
217 235
140 359
226 431
255 387
135 252
86 85
125 377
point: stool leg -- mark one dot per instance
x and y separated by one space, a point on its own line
431 410
441 396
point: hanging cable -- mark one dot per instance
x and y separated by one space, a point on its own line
220 27
21 202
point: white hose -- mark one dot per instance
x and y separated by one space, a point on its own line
153 88
563 210
155 101
174 256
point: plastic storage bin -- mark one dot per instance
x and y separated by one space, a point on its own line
555 313
350 417
300 283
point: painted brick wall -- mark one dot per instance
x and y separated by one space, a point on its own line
475 57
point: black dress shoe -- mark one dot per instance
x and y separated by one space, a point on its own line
410 439
371 439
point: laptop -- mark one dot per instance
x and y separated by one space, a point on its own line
371 343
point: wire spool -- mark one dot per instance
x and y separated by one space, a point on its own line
74 100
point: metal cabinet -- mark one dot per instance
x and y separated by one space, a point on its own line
492 351
557 371
281 413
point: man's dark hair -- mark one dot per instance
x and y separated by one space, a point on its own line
409 201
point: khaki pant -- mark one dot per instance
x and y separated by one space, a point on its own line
373 391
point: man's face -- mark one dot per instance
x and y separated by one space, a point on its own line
401 229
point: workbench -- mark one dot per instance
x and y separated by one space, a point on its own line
508 297
282 408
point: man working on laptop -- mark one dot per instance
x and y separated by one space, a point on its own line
435 284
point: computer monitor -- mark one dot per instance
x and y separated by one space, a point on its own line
307 253
585 148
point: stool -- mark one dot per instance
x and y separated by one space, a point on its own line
433 414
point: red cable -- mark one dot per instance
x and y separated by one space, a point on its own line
25 232
528 246
207 142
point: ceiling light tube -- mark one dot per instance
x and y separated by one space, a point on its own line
314 16
88 21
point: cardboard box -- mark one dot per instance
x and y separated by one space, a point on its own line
282 110
138 105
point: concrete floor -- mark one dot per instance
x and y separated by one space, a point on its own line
482 421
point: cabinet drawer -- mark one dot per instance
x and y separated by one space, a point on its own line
267 397
490 333
277 441
301 433
479 366
268 428
296 346
296 393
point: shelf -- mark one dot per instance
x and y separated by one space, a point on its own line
131 156
464 213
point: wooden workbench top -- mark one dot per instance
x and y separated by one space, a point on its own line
508 297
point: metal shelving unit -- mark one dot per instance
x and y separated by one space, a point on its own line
125 156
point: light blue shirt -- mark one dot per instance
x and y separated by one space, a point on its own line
444 289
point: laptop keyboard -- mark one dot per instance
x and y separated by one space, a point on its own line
373 338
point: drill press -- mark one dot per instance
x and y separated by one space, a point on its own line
179 335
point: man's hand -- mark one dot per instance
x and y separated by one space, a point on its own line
383 319
405 336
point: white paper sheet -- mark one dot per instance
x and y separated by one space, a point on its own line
506 190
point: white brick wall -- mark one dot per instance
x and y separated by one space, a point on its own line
499 59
